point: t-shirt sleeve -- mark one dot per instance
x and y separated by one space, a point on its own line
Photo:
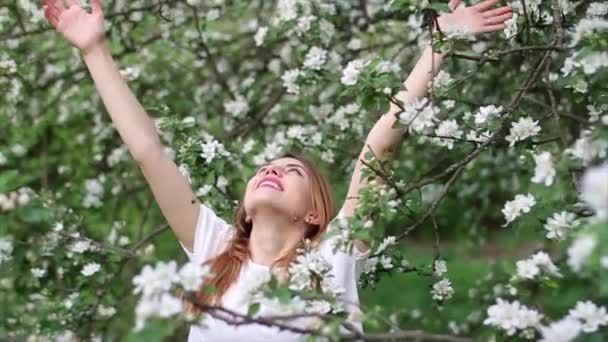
211 236
346 268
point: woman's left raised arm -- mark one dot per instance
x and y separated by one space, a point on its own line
383 138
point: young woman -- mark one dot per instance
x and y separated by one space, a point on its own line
286 200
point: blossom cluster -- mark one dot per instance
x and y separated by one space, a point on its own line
154 285
521 204
536 266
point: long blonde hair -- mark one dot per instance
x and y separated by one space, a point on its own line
226 266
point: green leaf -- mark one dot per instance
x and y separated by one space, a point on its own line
9 180
440 6
253 309
35 214
283 294
155 330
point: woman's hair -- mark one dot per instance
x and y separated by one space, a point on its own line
226 266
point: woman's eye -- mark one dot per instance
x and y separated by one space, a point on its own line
296 170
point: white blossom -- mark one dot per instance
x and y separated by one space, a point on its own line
169 306
419 115
370 265
449 104
440 267
131 73
586 27
260 34
521 204
527 269
522 129
106 311
580 250
388 241
94 192
604 261
590 315
595 112
164 305
9 65
155 280
350 74
287 10
544 171
597 9
487 112
290 77
564 330
90 269
303 268
237 106
535 265
592 62
581 86
183 169
448 128
442 289
315 58
304 23
222 182
386 261
511 26
512 316
212 14
586 149
442 79
211 149
6 248
38 272
559 224
388 67
191 275
594 189
542 260
80 246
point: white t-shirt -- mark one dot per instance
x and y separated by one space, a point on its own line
211 236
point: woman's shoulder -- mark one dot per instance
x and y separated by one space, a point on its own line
211 235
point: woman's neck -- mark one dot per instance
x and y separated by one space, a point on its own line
272 236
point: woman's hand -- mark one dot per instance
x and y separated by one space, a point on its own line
82 29
479 18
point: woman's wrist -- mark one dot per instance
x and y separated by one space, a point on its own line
96 48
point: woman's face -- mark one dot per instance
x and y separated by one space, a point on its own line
282 185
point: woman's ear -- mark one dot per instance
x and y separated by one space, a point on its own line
312 218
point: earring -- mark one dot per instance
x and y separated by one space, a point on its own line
248 219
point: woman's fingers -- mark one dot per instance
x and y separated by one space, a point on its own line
51 17
498 19
96 6
47 15
492 28
453 4
484 5
58 4
71 3
497 11
51 12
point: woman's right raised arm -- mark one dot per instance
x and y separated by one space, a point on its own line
172 192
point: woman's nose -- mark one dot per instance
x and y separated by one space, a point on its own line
274 169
